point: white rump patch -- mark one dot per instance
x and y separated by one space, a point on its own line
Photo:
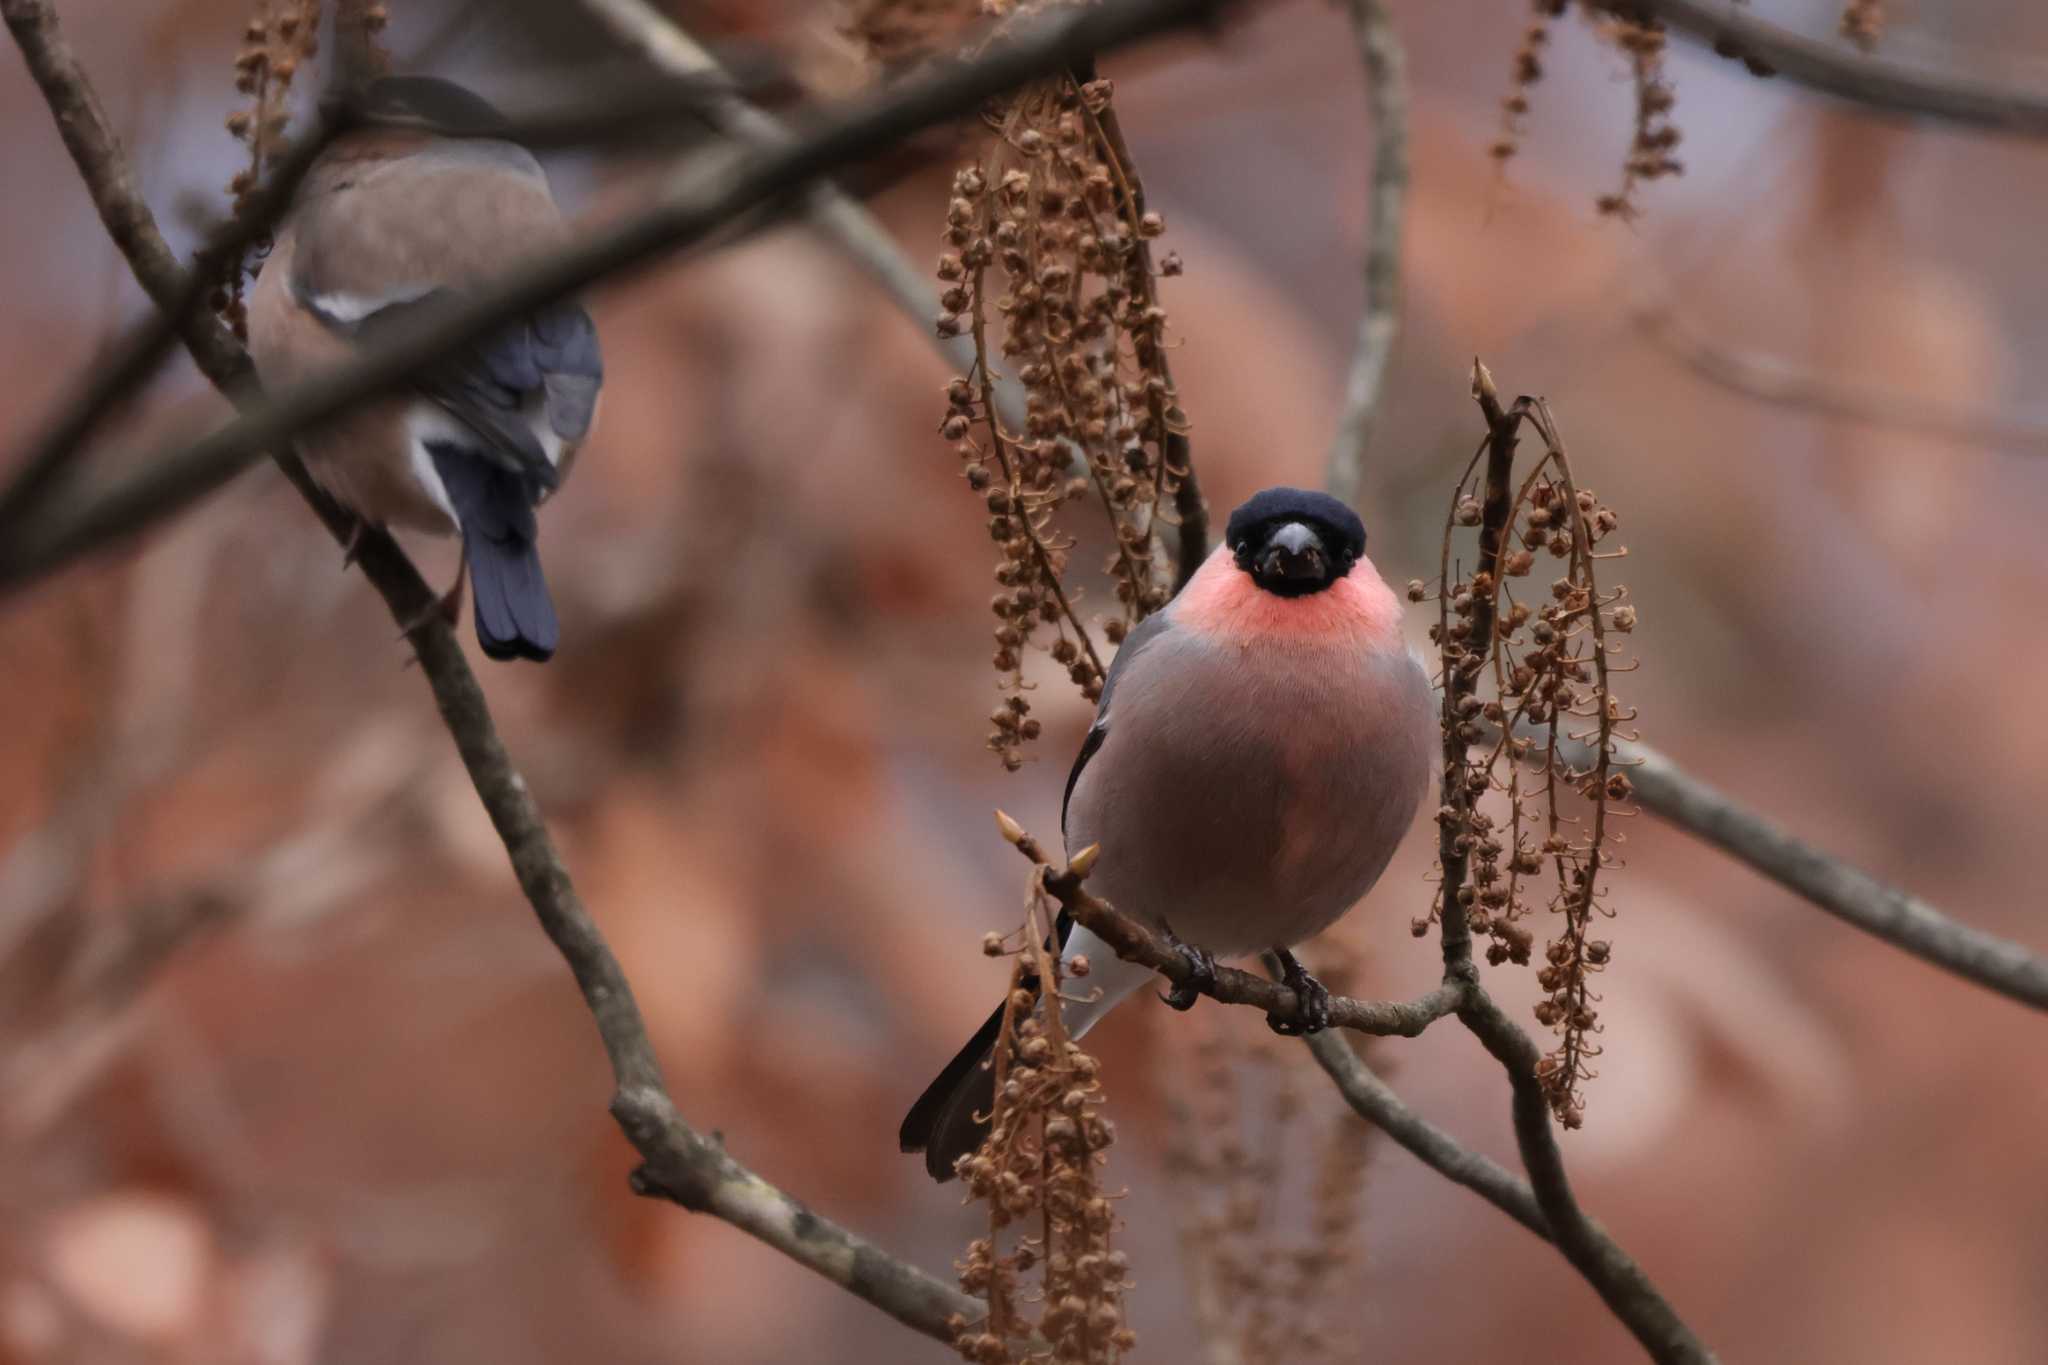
426 422
346 310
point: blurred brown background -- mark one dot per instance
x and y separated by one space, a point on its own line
288 1073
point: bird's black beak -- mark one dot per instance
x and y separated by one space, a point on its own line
1293 553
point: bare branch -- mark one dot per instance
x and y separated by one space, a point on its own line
836 215
1386 83
1880 85
1772 381
1848 893
691 209
109 179
679 1162
1134 943
1372 1100
1612 1272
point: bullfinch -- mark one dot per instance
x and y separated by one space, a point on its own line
1260 748
419 203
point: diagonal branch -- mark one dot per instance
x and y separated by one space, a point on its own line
835 214
1134 943
1844 891
1386 82
691 209
1375 1102
680 1163
1612 1272
1876 83
110 181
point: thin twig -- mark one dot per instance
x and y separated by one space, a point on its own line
1134 943
1876 83
691 209
836 215
680 1163
110 181
1612 1272
1386 83
1846 892
1176 451
1372 1100
1769 380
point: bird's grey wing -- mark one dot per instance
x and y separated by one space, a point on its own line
551 358
1148 630
402 237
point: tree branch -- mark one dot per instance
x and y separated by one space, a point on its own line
1372 1100
1846 892
1386 83
1769 380
110 181
837 216
679 1162
1877 84
1134 943
1614 1275
1612 1272
690 210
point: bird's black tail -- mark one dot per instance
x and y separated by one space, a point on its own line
515 617
950 1119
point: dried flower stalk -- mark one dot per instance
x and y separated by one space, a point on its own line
1543 670
279 41
1641 40
1040 1166
1047 266
1270 1287
1863 22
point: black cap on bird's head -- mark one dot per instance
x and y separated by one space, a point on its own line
1294 542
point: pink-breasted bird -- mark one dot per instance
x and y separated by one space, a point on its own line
421 203
1261 746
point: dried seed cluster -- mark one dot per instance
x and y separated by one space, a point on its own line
1038 1168
1047 244
1649 152
896 32
280 39
1863 22
1641 40
1526 673
1273 1287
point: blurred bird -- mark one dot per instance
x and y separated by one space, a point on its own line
419 204
1260 748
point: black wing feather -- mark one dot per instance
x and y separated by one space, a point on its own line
1148 630
486 387
950 1117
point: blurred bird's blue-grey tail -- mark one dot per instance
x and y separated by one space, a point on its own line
515 616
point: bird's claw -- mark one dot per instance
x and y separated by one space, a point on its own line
1311 1001
448 606
1201 977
